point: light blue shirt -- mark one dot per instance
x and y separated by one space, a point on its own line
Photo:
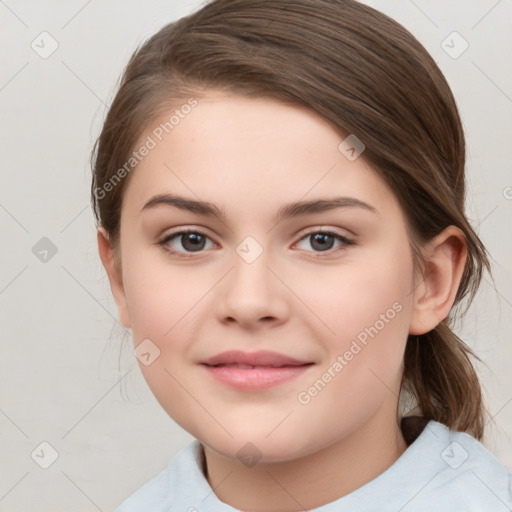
442 470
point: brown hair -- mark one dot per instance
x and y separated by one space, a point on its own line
366 75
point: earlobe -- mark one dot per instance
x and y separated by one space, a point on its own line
433 298
114 274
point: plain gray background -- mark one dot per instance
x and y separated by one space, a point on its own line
67 373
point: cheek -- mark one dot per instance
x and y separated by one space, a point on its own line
162 310
365 308
159 296
165 304
363 365
365 291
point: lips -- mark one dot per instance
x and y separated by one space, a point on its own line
254 371
248 360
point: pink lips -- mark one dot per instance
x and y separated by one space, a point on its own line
254 370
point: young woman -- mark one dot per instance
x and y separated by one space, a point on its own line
279 189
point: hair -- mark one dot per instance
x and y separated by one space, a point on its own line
366 75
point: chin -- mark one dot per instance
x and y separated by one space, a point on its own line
252 444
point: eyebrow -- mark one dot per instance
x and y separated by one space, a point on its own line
294 209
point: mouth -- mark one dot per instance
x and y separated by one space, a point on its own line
261 358
254 371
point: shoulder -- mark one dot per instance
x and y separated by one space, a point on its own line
463 472
172 487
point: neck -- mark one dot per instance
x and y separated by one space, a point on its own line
311 481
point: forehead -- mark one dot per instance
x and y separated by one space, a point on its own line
252 152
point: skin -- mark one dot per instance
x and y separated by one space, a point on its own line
250 157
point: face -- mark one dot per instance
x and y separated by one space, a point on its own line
325 289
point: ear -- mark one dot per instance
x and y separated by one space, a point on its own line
445 260
113 268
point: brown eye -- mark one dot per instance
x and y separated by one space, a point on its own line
324 241
193 241
185 241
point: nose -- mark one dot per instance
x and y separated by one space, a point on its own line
252 294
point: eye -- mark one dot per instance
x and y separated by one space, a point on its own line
186 242
323 241
191 240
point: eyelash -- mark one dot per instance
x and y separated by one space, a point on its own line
346 242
